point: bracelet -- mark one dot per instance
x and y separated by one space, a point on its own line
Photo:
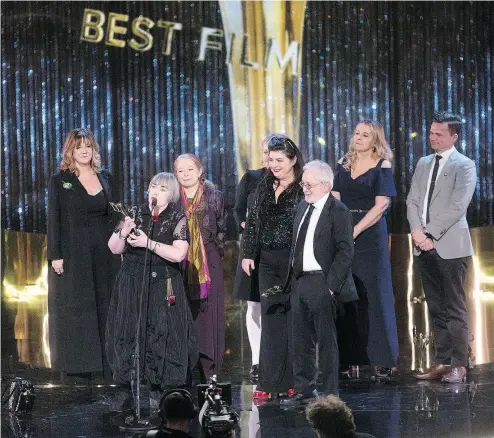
155 245
120 236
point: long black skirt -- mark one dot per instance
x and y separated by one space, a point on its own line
168 335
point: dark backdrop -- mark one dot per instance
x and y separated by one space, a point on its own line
396 62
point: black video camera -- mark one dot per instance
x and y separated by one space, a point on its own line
217 418
20 396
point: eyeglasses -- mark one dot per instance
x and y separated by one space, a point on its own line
308 186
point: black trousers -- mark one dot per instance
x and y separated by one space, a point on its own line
443 281
103 284
313 311
352 326
275 368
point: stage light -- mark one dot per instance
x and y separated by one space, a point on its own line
482 279
29 292
46 343
409 299
480 296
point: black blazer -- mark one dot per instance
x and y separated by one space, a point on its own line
72 298
67 212
333 247
245 192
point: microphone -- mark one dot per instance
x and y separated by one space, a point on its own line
154 216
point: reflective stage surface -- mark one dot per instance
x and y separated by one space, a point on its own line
405 408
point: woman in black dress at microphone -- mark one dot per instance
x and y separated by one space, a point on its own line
167 335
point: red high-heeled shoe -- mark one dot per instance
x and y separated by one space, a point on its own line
261 395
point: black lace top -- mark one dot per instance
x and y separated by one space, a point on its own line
270 223
171 225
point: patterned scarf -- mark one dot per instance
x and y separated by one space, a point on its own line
196 261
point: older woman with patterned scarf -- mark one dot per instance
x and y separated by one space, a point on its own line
204 208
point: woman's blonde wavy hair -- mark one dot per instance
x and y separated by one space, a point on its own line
380 147
76 138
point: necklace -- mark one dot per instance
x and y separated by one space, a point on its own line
283 186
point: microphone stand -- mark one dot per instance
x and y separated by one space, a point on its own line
133 423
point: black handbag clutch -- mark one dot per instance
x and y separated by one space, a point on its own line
276 296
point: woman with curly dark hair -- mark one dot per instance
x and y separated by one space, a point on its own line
268 235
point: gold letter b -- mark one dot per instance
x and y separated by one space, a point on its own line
92 26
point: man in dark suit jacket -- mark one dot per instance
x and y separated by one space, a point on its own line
321 260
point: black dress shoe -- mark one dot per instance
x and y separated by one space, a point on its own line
383 374
299 397
436 372
456 375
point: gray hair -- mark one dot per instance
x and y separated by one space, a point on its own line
326 174
170 182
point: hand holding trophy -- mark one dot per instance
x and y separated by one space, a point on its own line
119 208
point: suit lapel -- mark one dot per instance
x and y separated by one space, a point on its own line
445 175
106 185
426 170
425 178
302 207
324 218
72 178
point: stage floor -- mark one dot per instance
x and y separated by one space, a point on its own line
405 408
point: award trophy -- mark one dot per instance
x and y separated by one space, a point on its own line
264 45
421 341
